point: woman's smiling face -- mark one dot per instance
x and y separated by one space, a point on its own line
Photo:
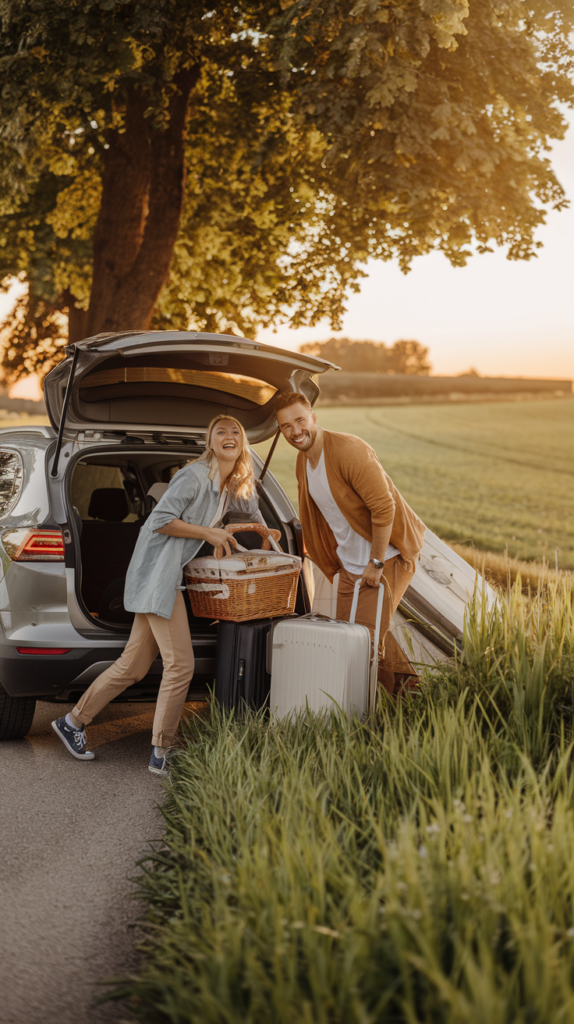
226 441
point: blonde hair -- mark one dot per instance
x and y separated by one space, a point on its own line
241 482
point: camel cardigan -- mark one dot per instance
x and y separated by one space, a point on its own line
368 499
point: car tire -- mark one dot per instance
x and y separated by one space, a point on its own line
16 714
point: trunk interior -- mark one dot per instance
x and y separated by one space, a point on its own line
110 496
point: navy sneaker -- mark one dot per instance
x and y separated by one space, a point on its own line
74 740
159 765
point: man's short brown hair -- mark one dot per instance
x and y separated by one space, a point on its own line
283 399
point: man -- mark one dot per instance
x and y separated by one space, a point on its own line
355 523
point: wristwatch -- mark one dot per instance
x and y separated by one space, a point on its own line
377 563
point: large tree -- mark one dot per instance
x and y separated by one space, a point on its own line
230 164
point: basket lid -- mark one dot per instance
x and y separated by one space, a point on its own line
250 561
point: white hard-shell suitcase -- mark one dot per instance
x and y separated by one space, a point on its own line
323 664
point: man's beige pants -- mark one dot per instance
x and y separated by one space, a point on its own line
150 634
396 578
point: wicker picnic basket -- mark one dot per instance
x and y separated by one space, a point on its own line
260 584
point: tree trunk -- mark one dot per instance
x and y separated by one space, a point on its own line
77 318
138 223
121 219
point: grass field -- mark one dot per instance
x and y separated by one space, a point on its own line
413 869
496 474
21 419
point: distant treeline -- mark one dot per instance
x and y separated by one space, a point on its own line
22 404
347 386
408 357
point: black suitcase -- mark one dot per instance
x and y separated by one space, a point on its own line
241 676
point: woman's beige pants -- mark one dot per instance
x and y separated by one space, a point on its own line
150 634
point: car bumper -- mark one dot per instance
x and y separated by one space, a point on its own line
66 676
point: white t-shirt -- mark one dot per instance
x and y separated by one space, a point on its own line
353 550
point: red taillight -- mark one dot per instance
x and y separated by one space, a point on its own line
43 650
34 545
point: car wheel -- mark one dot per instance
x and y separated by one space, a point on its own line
16 714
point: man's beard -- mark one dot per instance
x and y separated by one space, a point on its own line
312 435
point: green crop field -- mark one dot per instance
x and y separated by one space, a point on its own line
494 474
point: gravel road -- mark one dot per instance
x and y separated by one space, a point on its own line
71 832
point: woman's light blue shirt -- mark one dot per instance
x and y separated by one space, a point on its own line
155 569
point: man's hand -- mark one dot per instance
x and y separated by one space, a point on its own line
371 576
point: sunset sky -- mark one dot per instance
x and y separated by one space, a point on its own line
500 317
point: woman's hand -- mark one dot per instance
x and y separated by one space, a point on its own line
218 538
221 541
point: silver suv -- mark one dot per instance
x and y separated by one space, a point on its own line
127 411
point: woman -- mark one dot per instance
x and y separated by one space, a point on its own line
187 515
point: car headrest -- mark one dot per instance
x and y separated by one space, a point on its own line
109 503
157 491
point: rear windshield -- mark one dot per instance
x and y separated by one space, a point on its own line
88 478
119 493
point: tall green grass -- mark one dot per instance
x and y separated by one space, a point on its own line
417 867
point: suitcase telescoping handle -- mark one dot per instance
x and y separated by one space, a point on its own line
374 675
268 538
